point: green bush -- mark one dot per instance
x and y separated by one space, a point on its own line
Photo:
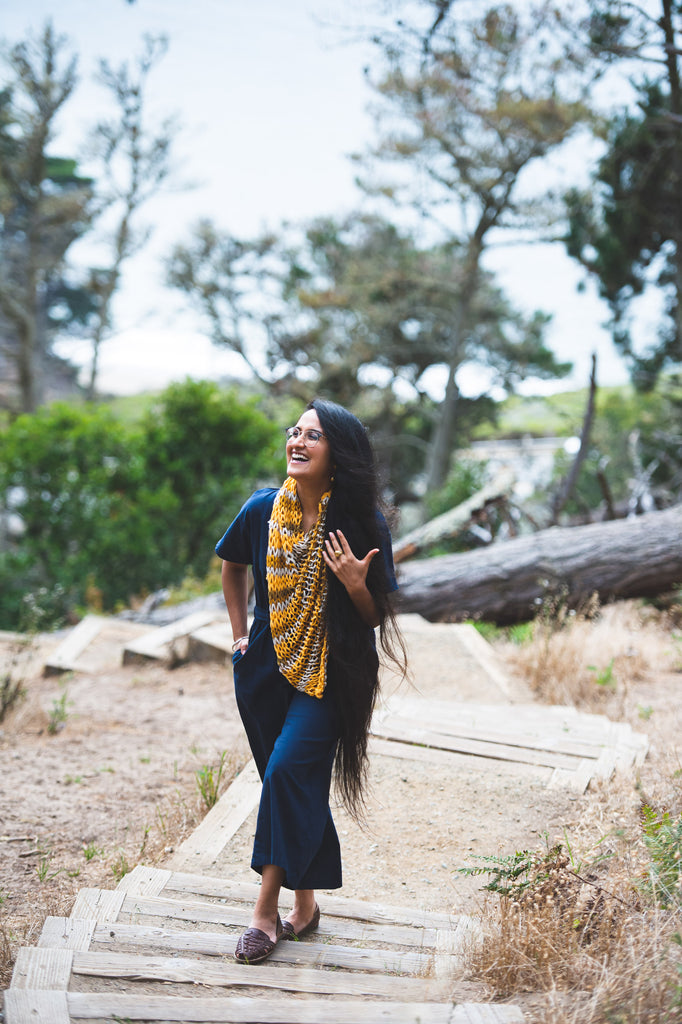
109 511
210 449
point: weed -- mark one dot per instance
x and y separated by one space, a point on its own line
120 867
208 781
11 692
604 677
521 633
44 864
59 714
645 711
663 840
91 851
145 837
488 630
676 1003
569 651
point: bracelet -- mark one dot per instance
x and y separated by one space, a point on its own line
237 642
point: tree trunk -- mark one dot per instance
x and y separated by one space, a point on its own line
565 490
454 521
507 582
667 23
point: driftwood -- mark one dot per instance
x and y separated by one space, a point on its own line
452 522
508 581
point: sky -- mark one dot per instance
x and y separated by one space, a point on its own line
271 100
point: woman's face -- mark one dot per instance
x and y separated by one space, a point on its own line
305 462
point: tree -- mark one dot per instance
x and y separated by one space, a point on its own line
109 511
378 307
134 162
236 285
44 205
505 583
357 310
627 228
468 105
210 449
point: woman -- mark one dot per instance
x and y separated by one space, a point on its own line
306 674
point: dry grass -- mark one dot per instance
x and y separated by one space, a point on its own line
587 941
614 963
174 821
591 656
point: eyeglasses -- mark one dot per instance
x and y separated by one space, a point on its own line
309 437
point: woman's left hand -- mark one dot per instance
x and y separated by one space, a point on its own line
348 569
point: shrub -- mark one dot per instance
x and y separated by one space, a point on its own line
112 511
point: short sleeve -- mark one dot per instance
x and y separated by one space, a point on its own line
240 541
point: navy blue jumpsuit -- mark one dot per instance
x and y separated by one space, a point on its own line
292 735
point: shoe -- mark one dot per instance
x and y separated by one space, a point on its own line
288 929
255 945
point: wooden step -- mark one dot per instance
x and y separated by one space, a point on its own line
158 643
576 746
65 656
56 1007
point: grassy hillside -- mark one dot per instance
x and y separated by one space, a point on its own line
558 415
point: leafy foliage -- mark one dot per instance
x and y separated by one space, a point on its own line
626 228
108 511
663 839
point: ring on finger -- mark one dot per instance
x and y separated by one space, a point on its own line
337 552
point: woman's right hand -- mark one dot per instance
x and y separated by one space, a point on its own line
240 645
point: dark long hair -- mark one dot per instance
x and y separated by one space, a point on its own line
353 665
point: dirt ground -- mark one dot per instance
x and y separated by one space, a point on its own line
99 772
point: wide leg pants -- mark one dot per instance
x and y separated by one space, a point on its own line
293 740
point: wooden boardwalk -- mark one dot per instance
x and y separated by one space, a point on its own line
159 947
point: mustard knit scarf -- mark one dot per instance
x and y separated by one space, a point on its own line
297 591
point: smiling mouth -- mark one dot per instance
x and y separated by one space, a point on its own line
298 457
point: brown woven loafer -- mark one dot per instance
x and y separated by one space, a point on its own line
255 945
288 929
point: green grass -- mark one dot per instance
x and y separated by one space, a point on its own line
558 415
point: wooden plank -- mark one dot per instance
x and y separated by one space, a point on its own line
63 659
486 1013
237 917
203 847
333 906
481 650
249 1010
42 969
154 643
318 954
505 716
67 932
397 729
180 970
451 945
549 741
211 643
144 881
433 755
33 1006
546 736
100 904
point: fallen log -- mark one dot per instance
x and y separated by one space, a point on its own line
508 582
454 521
